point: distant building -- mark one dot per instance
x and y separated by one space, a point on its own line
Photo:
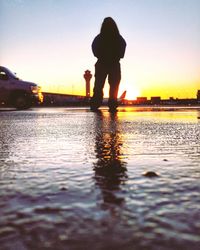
170 101
55 99
141 100
198 95
155 100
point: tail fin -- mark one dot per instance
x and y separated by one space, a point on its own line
123 95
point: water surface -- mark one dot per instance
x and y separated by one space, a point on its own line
73 179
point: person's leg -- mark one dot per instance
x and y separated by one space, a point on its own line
114 81
100 77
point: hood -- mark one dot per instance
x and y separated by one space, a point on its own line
28 83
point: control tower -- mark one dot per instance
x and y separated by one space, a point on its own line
87 76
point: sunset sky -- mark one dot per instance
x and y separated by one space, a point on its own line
49 42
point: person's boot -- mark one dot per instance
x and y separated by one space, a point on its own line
112 104
94 104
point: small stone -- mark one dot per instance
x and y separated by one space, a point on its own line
165 160
150 174
63 188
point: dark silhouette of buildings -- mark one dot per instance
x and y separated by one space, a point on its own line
141 100
53 99
198 96
155 100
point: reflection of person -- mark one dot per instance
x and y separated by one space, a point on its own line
110 168
109 46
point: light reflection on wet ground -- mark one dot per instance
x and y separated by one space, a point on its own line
73 179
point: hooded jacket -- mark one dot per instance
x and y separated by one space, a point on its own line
108 49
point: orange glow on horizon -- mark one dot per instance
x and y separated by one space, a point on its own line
165 91
135 85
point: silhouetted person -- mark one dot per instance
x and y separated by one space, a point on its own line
109 46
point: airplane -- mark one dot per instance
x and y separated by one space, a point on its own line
119 100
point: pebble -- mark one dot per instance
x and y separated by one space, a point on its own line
150 174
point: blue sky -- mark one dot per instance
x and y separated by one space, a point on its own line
49 42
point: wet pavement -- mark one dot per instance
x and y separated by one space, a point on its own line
75 179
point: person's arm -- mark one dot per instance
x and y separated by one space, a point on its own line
122 47
95 46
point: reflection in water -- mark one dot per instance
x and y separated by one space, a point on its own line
110 168
198 114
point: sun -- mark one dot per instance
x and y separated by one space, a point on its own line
132 92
